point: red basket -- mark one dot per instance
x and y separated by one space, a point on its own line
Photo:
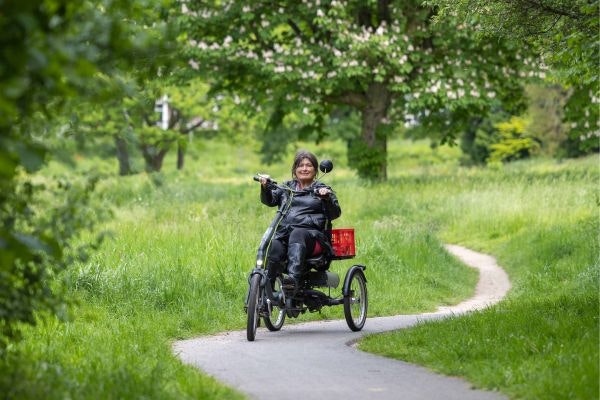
342 241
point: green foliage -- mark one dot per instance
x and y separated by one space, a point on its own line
545 115
564 33
514 142
583 115
546 133
370 161
52 51
40 243
134 118
476 141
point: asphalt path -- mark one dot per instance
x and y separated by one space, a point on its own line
317 360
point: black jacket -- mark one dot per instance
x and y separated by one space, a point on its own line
307 210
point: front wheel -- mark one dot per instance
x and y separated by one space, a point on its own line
355 301
253 299
275 319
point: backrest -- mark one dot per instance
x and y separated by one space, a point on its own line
319 260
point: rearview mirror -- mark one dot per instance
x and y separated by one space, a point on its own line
326 166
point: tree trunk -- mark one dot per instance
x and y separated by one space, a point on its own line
180 156
372 160
122 156
153 157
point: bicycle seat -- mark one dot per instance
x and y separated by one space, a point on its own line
318 260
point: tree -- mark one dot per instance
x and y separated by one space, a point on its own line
383 58
564 34
132 119
546 117
52 51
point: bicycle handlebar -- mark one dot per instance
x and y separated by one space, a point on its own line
273 184
267 177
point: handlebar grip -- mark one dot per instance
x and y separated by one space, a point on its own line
269 180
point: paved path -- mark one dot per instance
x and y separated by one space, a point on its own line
323 363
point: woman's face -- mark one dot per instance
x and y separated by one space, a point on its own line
305 171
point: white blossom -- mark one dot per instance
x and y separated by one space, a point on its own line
194 64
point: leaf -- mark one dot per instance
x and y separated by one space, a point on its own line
31 156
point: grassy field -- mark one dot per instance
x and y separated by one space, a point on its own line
183 243
540 219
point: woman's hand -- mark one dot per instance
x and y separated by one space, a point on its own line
263 179
323 192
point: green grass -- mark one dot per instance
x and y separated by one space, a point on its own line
183 243
540 219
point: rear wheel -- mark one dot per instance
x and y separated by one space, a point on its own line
355 301
253 300
274 321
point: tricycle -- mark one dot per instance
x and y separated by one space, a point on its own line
272 300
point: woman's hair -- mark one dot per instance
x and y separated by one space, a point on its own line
301 155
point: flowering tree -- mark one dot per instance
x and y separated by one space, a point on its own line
383 58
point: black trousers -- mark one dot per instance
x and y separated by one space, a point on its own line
277 257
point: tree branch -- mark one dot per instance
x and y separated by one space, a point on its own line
540 5
356 100
294 27
383 11
199 122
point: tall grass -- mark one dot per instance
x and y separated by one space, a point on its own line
541 221
183 243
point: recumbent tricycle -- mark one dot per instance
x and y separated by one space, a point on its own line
273 301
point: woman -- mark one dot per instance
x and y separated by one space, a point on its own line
312 208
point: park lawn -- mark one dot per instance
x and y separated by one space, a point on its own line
540 219
176 264
183 243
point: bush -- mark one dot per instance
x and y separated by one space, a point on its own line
514 142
